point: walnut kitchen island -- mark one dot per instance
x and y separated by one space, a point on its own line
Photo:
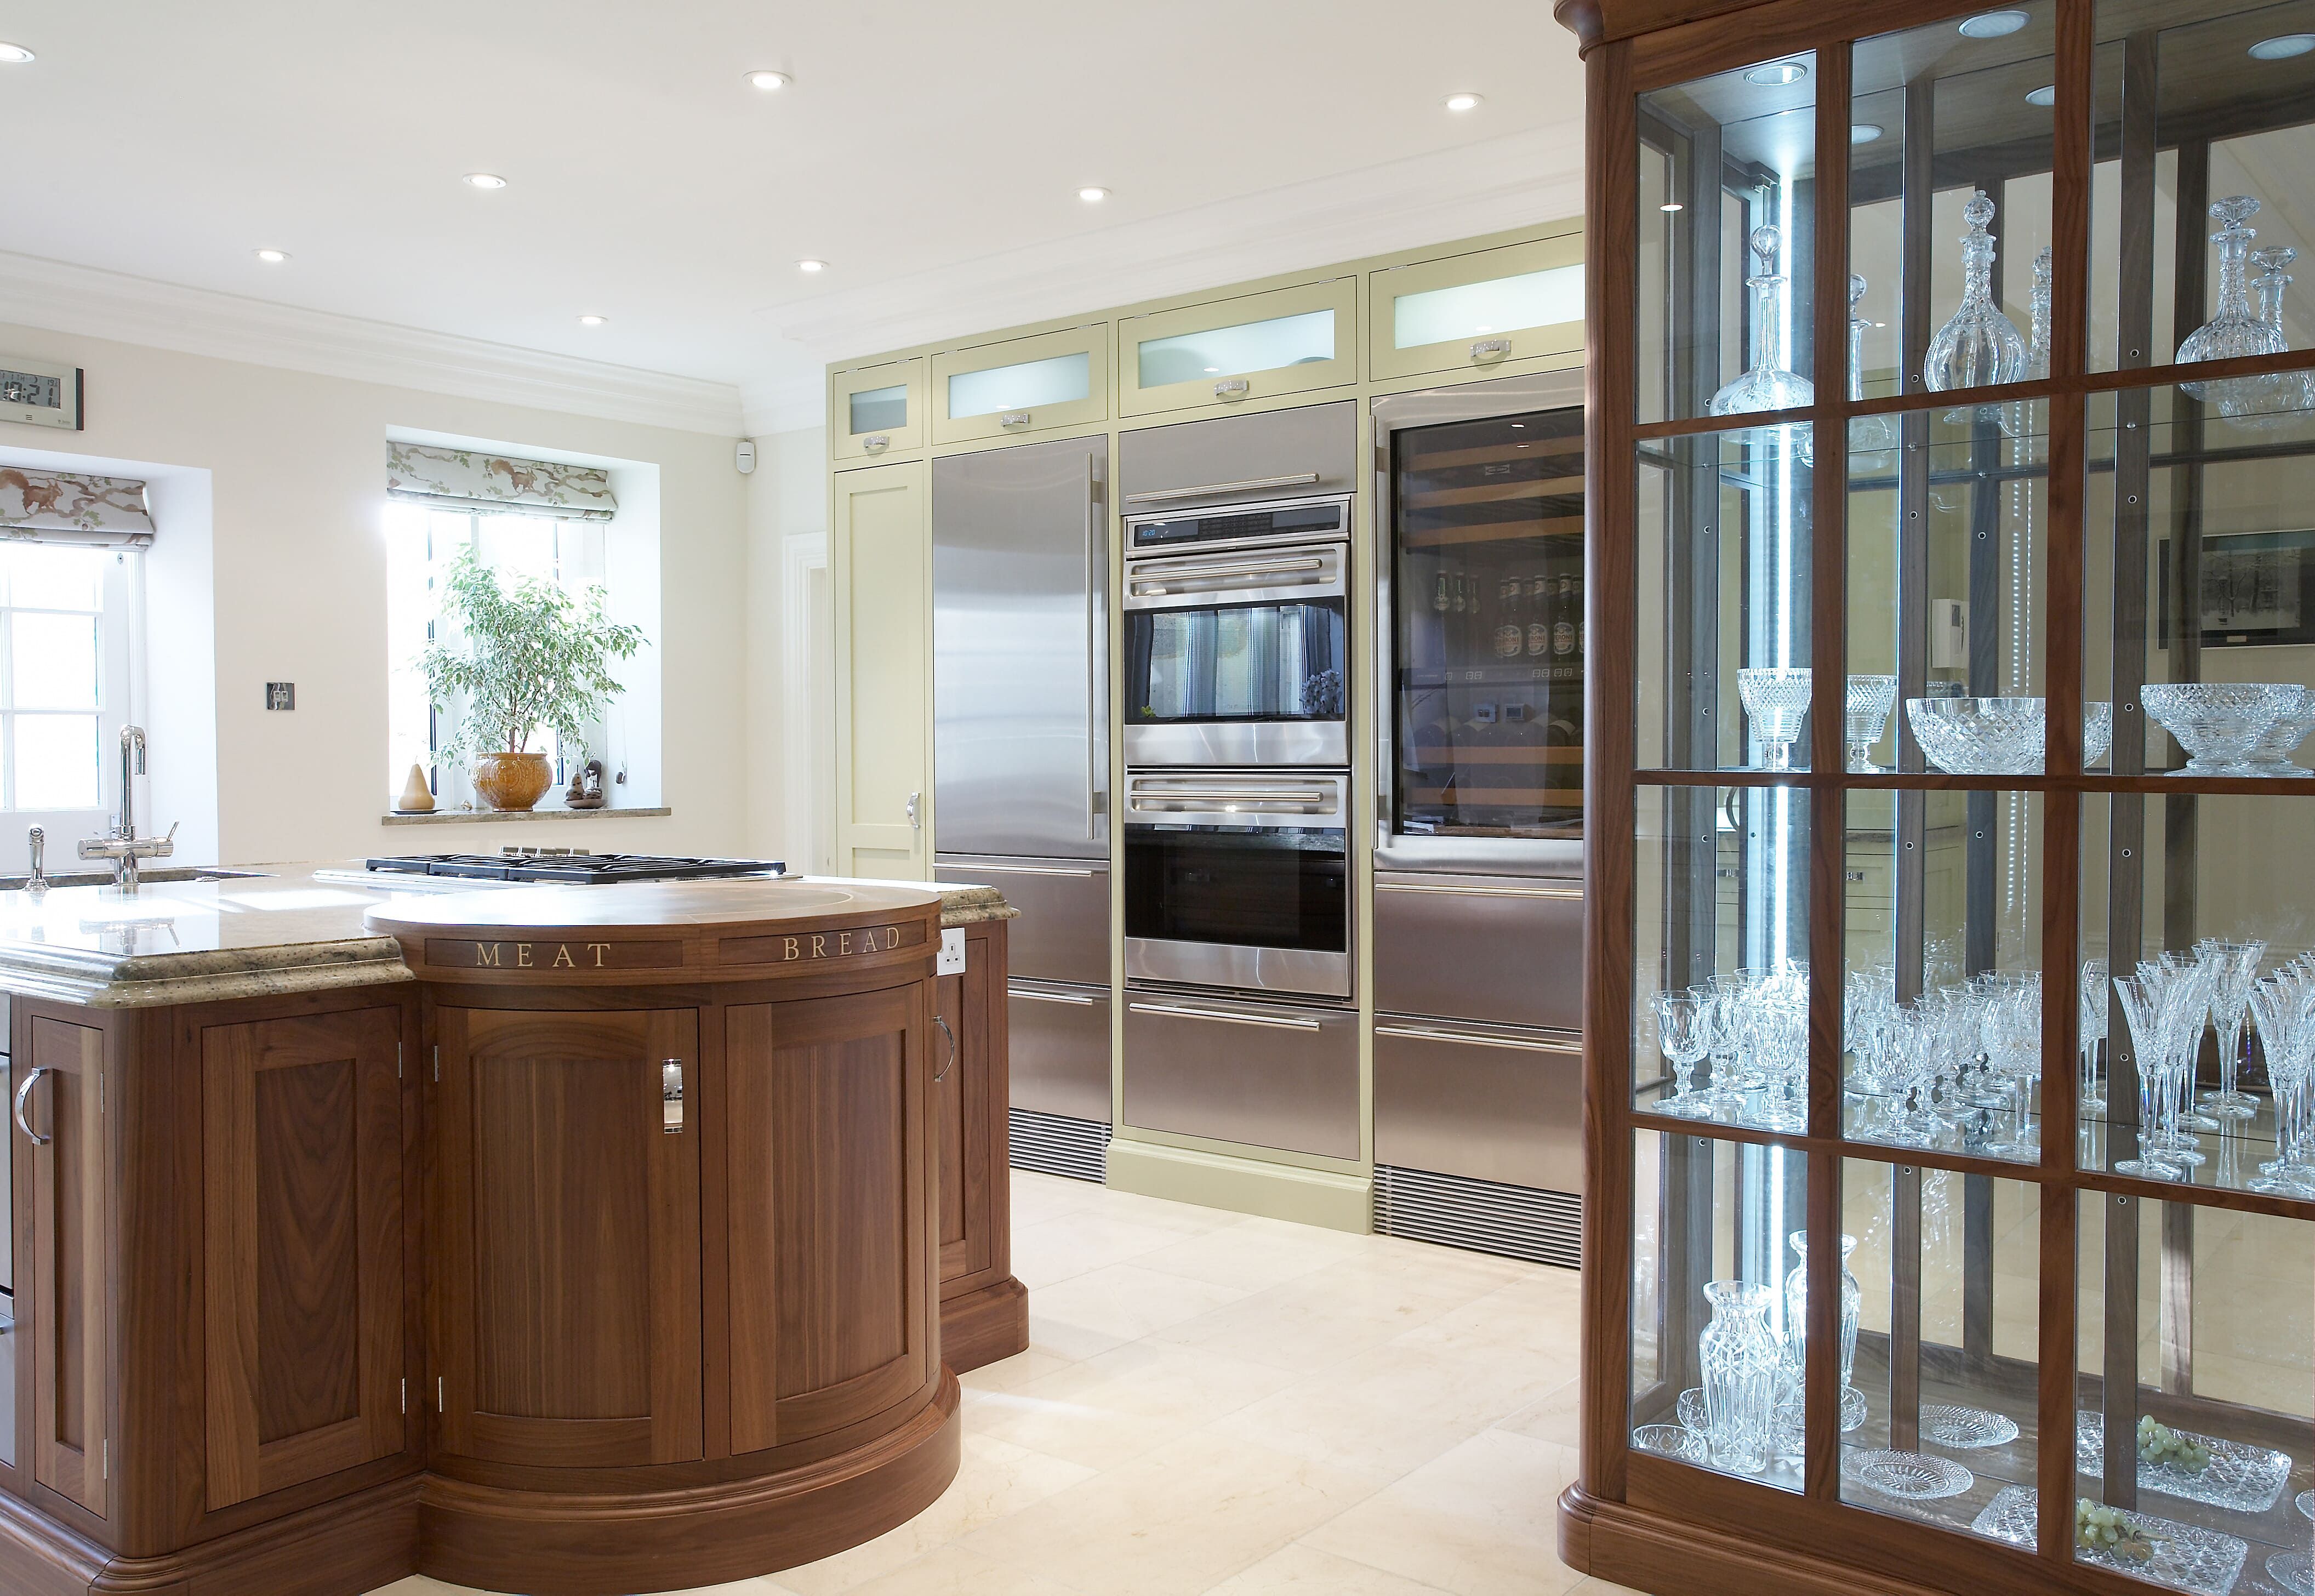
577 1240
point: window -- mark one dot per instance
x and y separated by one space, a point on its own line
423 543
64 677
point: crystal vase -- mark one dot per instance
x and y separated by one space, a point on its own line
1979 346
1740 1356
1767 383
2235 329
1796 1309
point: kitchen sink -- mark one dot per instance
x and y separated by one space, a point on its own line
99 878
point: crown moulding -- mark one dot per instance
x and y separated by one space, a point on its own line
1596 21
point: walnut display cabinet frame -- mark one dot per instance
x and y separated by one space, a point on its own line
1926 1230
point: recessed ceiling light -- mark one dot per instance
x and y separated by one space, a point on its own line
271 257
15 55
1864 132
1994 24
812 265
1669 205
485 180
591 320
1463 101
1092 196
769 82
2283 47
1775 75
2045 96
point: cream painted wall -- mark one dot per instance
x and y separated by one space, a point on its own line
296 466
788 775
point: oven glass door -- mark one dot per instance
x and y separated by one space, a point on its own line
1282 661
1238 886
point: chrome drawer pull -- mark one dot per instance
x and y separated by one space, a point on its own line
876 443
23 1101
1232 387
1073 999
1013 418
1491 348
942 1021
671 1096
1019 870
1568 894
1157 494
1476 1039
1228 1019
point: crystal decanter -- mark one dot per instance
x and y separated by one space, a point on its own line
1980 346
2284 397
2236 330
1766 386
1872 440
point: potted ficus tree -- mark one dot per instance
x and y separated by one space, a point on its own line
527 658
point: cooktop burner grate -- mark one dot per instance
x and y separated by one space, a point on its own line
542 865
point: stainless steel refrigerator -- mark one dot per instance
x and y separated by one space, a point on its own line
1478 905
1021 762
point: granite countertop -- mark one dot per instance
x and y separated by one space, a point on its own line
245 937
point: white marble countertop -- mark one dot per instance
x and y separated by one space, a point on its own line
245 937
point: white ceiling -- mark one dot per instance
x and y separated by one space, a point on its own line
929 150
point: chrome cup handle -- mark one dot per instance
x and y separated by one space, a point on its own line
942 1021
23 1101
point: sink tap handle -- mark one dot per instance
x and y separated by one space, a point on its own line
39 881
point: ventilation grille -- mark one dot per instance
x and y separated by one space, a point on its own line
1056 1144
1480 1215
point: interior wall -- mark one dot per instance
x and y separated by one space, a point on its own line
295 591
788 773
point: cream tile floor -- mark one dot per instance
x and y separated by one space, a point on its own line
1212 1403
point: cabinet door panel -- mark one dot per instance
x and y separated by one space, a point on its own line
883 558
568 1321
301 1248
62 1192
830 1215
963 1107
875 411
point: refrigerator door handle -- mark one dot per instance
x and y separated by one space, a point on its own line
1479 1038
1096 592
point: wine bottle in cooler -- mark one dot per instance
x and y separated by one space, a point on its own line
1538 610
1508 630
1563 624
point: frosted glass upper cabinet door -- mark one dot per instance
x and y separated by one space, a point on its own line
1257 346
1022 385
877 412
1479 310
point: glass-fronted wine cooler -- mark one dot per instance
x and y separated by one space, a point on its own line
1956 632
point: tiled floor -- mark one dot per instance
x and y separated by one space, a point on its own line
1212 1402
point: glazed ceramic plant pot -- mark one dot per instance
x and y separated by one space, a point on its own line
512 781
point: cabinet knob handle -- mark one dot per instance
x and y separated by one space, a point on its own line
942 1021
1013 418
1232 387
876 443
671 1096
24 1100
1491 348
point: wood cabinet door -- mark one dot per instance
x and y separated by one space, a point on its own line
566 1315
964 1045
301 1247
830 1213
63 1178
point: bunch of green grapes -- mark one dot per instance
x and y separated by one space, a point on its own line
2160 1444
2103 1528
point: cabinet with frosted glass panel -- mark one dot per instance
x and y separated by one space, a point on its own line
1249 347
877 412
1959 846
1021 388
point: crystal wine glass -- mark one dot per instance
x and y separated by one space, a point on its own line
2141 1008
1683 1030
2233 968
2235 330
1980 345
1866 716
1777 698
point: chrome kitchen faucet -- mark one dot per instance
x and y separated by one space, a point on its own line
121 845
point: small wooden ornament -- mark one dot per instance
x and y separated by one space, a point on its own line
415 799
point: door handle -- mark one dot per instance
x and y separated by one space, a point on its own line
1183 1011
1159 495
942 1021
1477 1039
23 1101
671 1096
916 820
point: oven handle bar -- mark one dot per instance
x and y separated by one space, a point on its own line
1153 587
1234 794
1186 1012
1160 495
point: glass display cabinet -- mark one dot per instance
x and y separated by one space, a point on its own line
1950 1005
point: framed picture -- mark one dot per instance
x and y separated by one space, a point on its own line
2257 588
40 392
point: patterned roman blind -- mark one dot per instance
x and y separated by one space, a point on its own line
66 506
470 480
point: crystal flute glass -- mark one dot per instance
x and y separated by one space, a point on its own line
2233 968
2279 1009
1866 716
2141 1009
2016 1026
1776 699
2093 1021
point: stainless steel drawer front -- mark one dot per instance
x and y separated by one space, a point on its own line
1495 1104
1500 950
1308 450
1060 1046
1262 1075
1063 931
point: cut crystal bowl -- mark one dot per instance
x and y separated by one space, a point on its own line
2218 724
2272 754
1979 736
2097 731
1777 698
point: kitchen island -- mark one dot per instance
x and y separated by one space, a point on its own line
554 1239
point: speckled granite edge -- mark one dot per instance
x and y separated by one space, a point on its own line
155 980
972 906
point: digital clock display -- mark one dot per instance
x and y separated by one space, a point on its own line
34 389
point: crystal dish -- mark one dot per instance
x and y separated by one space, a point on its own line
2185 1558
1910 1477
1966 1428
2293 1571
2218 724
2295 720
1853 1412
1676 1441
2239 1478
1979 736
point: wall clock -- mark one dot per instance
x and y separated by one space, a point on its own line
40 392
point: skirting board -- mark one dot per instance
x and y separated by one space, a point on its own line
1244 1186
1626 1545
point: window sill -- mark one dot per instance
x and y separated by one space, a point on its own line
456 816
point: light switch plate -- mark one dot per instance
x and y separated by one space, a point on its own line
952 954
